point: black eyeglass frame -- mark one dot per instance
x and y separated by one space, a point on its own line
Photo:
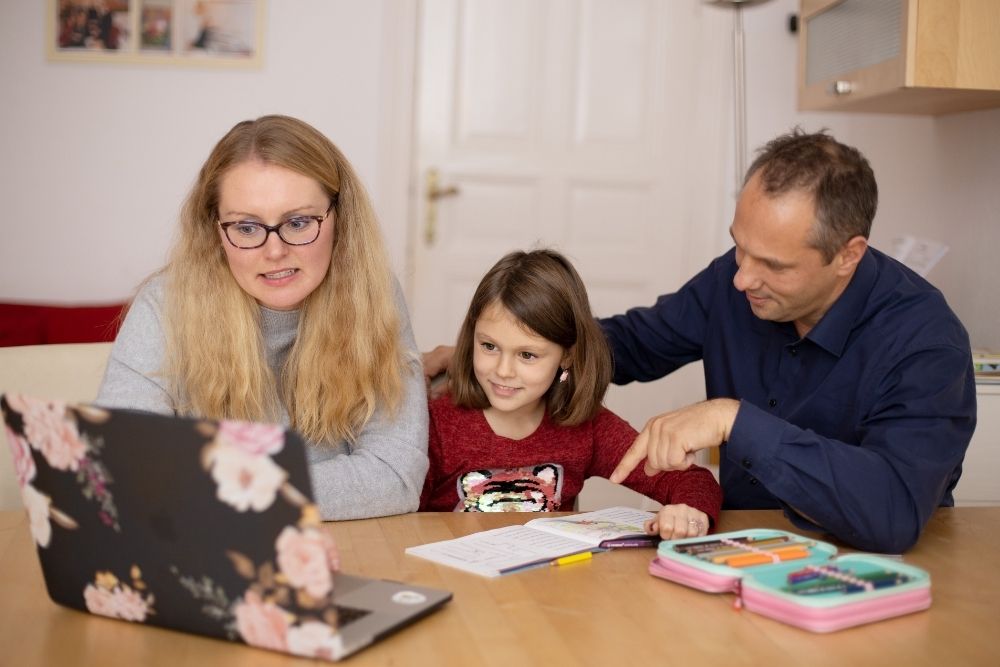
276 228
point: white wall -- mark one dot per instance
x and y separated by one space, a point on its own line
95 159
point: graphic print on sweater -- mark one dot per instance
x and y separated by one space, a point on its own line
535 488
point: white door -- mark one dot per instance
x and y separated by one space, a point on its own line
598 127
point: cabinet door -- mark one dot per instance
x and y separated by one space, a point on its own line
899 56
851 50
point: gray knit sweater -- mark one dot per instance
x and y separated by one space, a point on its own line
382 473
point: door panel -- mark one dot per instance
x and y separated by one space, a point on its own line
597 127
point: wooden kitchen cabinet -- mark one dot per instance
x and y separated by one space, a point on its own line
899 56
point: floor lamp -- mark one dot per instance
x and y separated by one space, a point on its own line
739 84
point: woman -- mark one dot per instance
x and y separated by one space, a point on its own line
277 304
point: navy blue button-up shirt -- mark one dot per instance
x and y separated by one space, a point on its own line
859 426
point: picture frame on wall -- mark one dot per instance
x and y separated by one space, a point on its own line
213 33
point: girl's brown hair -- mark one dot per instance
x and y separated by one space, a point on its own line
544 292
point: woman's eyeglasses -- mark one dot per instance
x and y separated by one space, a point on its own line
296 230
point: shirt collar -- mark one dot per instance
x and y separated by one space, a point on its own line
833 329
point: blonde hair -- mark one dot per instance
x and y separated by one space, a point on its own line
545 293
347 357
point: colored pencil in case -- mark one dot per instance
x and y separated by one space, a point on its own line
743 548
811 573
726 553
763 559
870 581
695 548
775 549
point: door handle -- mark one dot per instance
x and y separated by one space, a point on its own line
432 192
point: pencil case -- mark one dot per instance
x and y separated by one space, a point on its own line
794 579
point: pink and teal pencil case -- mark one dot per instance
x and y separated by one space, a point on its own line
794 579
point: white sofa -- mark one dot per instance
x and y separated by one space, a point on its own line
71 372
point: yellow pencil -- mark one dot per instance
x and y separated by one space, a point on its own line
575 558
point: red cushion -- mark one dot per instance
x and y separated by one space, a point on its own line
21 325
32 324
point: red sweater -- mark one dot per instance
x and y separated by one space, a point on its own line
474 469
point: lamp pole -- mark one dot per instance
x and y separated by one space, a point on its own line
739 84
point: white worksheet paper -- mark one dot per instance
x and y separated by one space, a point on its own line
492 552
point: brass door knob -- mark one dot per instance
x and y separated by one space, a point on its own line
432 192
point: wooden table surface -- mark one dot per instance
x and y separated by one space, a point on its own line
607 611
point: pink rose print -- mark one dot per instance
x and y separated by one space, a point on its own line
48 431
37 505
24 464
110 597
308 559
254 439
245 481
280 608
50 427
129 605
261 624
99 600
314 639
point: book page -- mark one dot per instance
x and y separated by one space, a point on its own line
595 527
493 552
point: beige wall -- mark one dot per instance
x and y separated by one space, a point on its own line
96 158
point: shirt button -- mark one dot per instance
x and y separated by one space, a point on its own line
753 481
793 351
772 403
746 463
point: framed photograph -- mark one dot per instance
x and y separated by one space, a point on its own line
223 33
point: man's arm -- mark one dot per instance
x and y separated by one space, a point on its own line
879 493
876 494
648 343
669 441
436 364
695 487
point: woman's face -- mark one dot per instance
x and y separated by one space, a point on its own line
278 275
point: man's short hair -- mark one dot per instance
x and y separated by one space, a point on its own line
838 177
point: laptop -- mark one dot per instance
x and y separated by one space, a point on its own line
206 527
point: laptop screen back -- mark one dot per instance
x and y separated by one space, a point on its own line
196 525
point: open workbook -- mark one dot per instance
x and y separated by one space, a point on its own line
491 553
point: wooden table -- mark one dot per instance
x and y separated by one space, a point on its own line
608 611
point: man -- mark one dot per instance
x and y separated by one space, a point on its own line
840 383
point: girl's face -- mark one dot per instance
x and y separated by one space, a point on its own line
278 275
514 365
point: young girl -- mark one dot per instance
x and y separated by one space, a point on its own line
523 426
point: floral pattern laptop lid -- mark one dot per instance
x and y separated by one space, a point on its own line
200 526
